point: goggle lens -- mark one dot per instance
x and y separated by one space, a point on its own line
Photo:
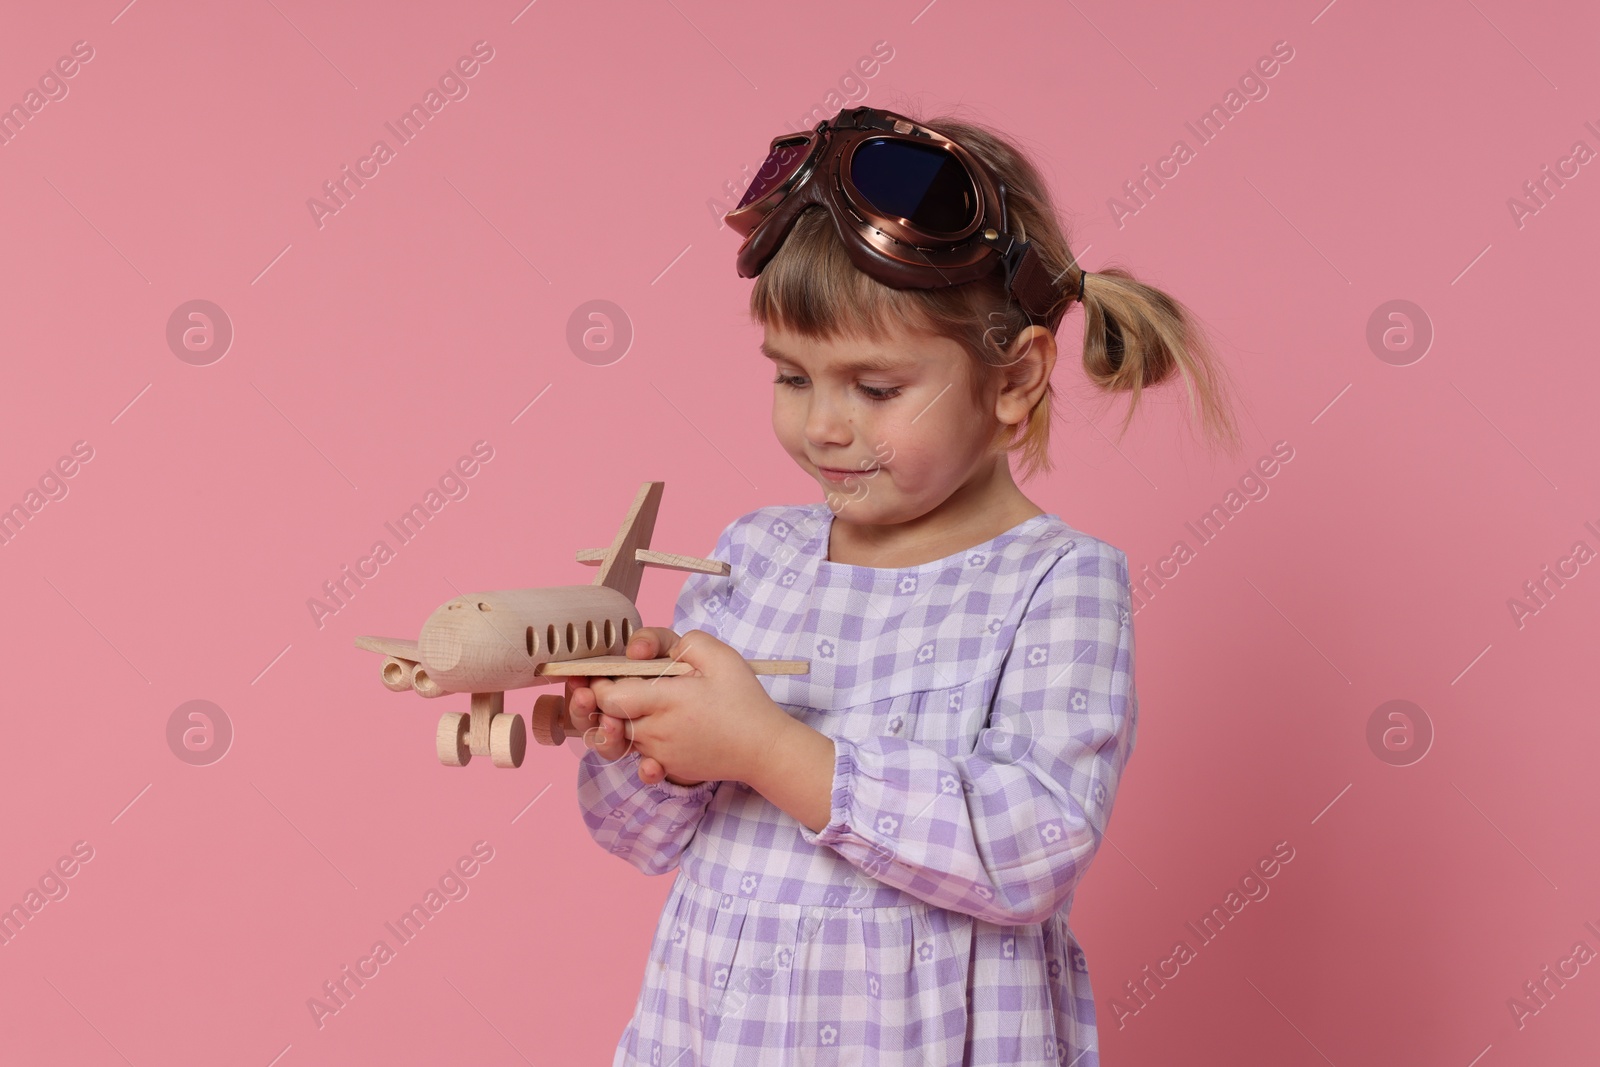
779 165
921 183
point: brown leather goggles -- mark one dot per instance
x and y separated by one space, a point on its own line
914 209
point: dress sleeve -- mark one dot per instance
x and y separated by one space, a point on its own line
1004 833
651 825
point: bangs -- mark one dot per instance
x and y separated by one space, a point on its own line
810 287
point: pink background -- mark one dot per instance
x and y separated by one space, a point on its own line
428 313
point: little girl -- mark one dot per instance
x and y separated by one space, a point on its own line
877 859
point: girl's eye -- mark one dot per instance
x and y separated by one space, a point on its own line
871 392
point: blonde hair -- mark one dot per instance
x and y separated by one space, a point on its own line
1134 335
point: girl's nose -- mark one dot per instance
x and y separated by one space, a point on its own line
827 423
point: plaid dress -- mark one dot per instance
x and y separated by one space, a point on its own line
982 708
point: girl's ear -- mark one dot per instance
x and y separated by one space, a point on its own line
1024 379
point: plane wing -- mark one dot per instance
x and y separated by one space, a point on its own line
398 647
623 667
594 557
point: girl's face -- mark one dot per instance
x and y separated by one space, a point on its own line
888 428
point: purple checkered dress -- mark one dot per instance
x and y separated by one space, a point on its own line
982 708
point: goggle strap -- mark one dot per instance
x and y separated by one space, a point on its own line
1024 269
1029 281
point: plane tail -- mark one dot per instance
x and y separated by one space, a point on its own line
620 567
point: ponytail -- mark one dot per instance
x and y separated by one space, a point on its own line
1136 336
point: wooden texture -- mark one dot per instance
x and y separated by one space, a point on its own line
650 557
398 674
450 740
496 641
398 647
508 740
621 569
623 667
487 643
485 706
547 720
424 685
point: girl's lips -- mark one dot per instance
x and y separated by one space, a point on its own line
834 474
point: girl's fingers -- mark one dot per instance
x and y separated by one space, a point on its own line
651 642
584 714
608 736
580 704
594 732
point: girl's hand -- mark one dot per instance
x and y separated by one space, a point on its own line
607 734
716 723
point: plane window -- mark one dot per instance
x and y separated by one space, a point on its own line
572 638
530 641
550 646
611 633
627 630
588 635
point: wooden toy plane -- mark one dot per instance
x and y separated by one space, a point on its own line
487 643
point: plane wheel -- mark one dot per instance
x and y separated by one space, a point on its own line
508 740
547 716
452 739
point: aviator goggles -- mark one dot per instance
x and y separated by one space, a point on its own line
914 209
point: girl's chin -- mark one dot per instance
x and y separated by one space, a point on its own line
853 504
